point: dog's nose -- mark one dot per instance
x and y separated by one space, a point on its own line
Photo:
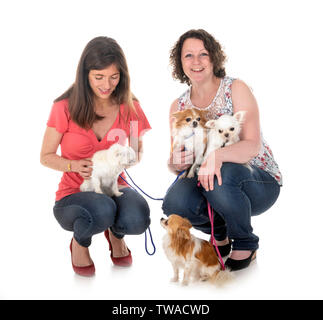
226 135
195 124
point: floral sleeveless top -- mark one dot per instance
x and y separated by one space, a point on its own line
222 104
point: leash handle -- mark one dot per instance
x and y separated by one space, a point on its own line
152 242
151 238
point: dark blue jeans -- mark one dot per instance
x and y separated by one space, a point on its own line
243 194
89 213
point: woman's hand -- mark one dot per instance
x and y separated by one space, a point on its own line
83 167
210 167
180 160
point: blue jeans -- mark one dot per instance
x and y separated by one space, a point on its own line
243 194
89 213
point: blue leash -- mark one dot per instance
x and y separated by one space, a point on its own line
140 188
151 238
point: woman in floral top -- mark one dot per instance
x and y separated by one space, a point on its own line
234 192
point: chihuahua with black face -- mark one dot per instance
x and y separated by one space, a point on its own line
185 251
189 131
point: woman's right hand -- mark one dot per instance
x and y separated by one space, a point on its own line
83 167
180 160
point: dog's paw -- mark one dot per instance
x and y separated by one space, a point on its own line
190 174
174 279
118 194
185 283
204 277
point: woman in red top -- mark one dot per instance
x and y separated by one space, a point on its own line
97 111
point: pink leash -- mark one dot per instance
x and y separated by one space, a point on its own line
211 217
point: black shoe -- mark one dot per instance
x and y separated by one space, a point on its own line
234 265
225 250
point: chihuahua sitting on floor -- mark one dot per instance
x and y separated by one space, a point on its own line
185 251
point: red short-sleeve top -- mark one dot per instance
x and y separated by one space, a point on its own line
78 143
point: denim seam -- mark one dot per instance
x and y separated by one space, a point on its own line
258 181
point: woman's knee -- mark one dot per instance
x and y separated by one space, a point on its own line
183 196
134 222
102 210
171 205
190 205
234 173
133 216
139 223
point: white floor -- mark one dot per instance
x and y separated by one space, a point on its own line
36 265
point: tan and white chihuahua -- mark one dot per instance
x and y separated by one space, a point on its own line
189 131
185 251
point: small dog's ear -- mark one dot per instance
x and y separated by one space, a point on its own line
211 124
177 114
186 223
183 233
240 116
202 112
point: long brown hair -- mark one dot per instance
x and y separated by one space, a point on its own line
98 54
214 48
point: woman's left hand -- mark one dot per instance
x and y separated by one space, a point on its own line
210 167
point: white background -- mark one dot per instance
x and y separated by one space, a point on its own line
275 47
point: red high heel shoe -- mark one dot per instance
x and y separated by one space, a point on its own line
85 271
119 261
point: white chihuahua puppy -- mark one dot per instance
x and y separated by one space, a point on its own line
223 131
107 166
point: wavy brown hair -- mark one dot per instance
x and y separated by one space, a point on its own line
99 53
213 47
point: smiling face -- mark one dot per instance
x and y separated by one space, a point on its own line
196 61
103 82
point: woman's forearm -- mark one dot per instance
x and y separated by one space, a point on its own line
240 152
56 162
